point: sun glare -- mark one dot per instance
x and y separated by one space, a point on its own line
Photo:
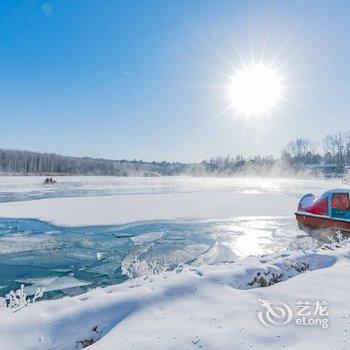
255 90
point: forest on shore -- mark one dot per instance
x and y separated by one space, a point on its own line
330 156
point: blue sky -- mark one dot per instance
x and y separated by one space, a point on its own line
145 79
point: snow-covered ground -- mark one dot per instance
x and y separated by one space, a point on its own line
208 307
219 228
113 200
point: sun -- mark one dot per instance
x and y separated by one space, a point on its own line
255 90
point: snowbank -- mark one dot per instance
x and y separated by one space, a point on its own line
83 201
212 307
122 209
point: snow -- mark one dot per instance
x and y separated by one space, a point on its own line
151 199
210 307
122 209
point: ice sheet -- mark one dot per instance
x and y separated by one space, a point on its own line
101 255
51 283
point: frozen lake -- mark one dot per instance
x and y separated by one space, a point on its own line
17 188
94 237
70 260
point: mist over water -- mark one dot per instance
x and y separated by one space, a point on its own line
20 188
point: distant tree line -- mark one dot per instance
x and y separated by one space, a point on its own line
236 165
332 152
25 162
